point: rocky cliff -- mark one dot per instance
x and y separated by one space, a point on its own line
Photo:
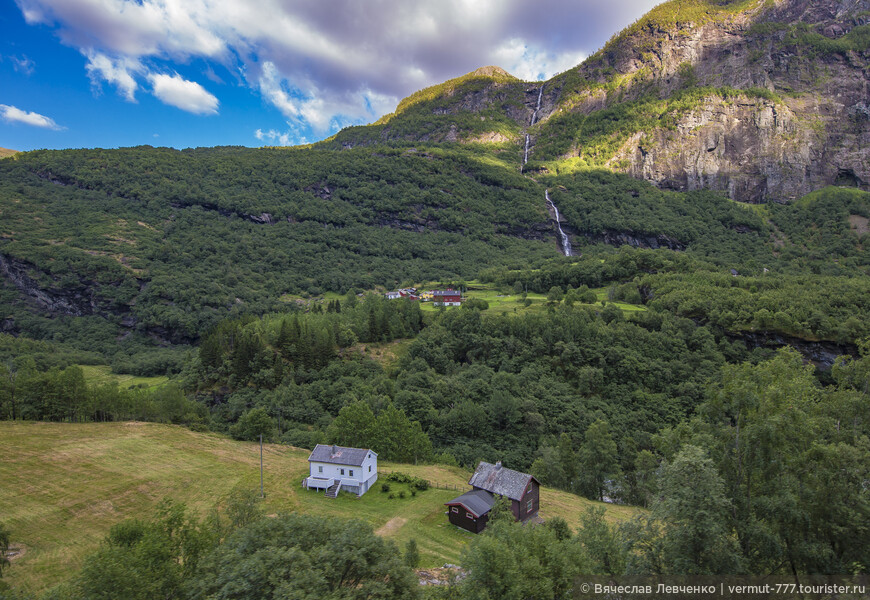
811 129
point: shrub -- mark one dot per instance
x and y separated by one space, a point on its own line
385 487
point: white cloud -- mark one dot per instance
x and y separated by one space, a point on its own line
181 93
117 72
325 64
531 62
12 114
23 65
285 138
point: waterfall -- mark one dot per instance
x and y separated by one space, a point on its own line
537 107
534 120
565 242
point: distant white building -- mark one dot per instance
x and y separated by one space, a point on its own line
335 468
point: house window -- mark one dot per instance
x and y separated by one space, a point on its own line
370 468
529 505
454 509
320 469
342 471
350 473
468 515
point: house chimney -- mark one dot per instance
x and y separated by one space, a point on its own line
498 465
333 449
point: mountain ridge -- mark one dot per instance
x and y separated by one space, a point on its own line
761 100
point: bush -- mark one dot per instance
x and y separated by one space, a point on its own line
402 494
391 496
385 487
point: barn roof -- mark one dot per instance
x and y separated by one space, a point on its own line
339 455
500 480
478 502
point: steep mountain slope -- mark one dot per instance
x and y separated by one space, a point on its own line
764 100
761 99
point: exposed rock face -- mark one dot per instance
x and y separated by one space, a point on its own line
820 354
636 239
76 301
753 149
815 133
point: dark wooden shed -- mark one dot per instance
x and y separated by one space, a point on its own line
471 510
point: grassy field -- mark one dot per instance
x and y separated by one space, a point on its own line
101 374
65 485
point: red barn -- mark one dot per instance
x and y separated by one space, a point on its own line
471 510
447 298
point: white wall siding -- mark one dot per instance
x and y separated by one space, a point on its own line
334 471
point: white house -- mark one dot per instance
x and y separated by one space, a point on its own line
335 468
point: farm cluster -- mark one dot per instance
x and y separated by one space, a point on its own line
448 297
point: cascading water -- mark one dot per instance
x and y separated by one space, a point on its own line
537 107
563 237
534 120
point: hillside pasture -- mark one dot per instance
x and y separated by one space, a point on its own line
65 485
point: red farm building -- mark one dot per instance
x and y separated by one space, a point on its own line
471 510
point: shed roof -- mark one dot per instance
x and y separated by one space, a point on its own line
339 455
500 480
478 502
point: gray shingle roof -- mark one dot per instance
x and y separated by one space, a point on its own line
339 455
478 502
500 480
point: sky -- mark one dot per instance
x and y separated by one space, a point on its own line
188 73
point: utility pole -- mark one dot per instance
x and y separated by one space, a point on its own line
262 495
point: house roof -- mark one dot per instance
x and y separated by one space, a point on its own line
500 480
446 293
478 502
339 455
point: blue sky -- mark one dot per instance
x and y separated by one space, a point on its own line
186 73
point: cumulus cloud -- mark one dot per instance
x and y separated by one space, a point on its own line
181 93
118 72
329 63
13 114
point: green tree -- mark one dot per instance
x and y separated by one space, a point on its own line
253 424
353 426
598 460
412 554
304 557
695 514
602 542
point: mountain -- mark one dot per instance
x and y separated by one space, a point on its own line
4 152
644 144
763 100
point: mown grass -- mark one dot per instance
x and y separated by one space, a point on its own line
102 374
65 485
